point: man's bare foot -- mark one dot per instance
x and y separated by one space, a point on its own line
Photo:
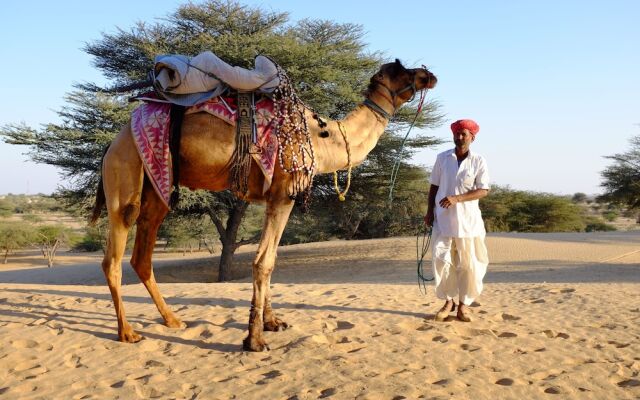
448 306
464 314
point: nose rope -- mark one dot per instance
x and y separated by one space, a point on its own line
396 165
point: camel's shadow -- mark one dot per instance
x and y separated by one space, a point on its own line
83 322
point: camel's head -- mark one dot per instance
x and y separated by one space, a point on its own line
400 83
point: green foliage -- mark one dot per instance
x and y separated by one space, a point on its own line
367 212
48 235
26 204
621 180
506 210
49 238
32 218
93 239
579 197
596 224
13 236
610 215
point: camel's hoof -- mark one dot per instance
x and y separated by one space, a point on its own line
129 337
251 344
276 325
175 324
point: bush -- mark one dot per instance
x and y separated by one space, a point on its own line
598 225
610 215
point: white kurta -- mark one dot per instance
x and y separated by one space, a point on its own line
458 231
463 219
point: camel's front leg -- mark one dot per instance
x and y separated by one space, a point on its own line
271 322
276 218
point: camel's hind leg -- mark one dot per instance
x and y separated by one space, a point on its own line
122 177
152 213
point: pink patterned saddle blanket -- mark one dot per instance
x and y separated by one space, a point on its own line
150 128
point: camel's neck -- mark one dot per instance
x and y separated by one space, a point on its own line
363 127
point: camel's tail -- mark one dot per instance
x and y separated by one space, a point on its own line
100 197
99 204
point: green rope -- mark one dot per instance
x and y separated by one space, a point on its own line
423 241
396 165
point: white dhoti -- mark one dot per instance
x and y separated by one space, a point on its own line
459 264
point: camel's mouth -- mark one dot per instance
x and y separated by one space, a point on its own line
429 80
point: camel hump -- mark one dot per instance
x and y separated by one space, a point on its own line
189 81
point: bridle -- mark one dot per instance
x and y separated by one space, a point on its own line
392 96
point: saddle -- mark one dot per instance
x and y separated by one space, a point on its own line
185 82
188 81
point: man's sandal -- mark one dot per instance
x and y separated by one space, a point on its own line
464 316
444 313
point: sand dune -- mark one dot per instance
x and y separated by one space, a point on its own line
560 316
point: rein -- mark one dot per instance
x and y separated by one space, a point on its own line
342 194
396 165
422 247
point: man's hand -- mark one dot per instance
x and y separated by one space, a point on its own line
449 201
428 218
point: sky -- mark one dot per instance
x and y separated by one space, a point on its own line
554 85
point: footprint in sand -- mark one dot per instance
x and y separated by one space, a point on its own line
504 382
424 327
541 349
552 334
619 345
153 364
72 361
553 390
507 335
28 366
470 348
327 393
509 317
24 343
198 331
629 383
342 325
440 339
268 376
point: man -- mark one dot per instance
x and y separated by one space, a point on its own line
458 180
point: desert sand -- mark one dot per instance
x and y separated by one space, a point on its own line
559 318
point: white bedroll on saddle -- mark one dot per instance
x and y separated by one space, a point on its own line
188 81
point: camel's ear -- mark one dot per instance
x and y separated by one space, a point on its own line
398 67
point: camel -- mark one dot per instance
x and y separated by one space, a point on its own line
207 145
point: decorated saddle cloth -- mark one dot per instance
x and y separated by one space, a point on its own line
150 128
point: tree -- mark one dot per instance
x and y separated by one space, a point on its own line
327 61
579 197
507 210
49 238
621 180
13 236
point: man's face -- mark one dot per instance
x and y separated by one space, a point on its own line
463 139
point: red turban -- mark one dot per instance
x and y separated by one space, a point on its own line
467 124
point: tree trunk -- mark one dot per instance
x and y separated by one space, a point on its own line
228 238
6 256
226 262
